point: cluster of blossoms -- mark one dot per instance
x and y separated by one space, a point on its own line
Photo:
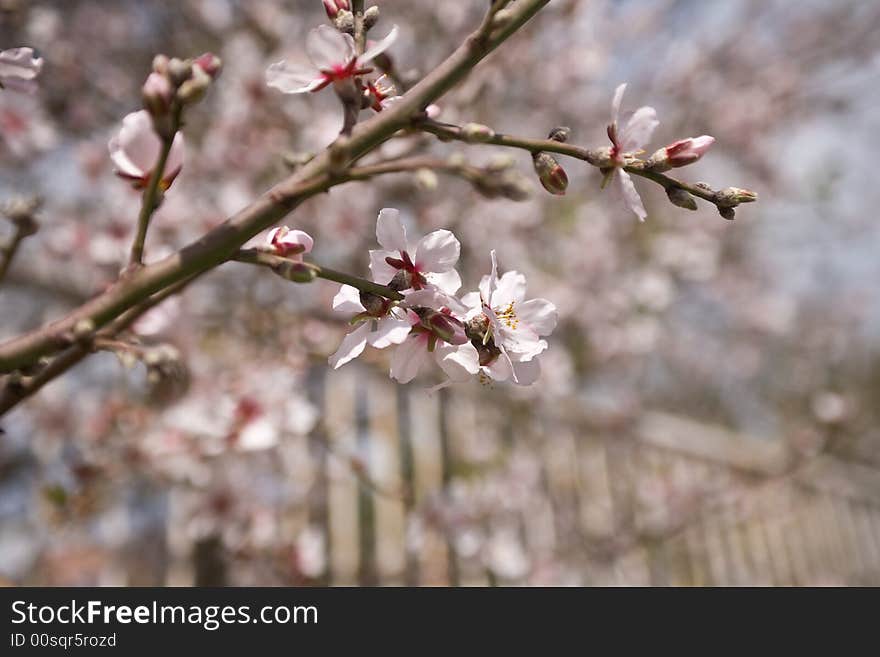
493 333
19 68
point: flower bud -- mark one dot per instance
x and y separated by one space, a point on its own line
687 151
681 198
210 63
193 90
373 304
402 280
560 134
332 7
83 329
371 17
727 213
476 133
157 94
733 196
426 179
160 64
444 326
344 21
21 212
550 173
179 71
298 272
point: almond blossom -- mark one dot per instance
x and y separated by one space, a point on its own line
135 151
434 334
334 60
19 69
628 141
291 244
508 328
430 262
381 327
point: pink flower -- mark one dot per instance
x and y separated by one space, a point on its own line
385 326
631 139
136 149
289 243
687 151
429 338
511 327
334 60
19 69
430 262
381 93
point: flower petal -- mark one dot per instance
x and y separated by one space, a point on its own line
638 129
390 232
448 282
527 372
390 330
408 358
539 314
379 47
292 78
437 251
615 102
20 63
348 300
135 149
351 347
459 362
510 288
326 46
630 196
380 270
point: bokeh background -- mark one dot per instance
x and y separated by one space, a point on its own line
708 412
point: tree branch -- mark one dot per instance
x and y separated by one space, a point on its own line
221 243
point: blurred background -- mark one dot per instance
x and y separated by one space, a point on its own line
708 412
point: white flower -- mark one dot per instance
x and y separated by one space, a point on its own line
386 326
631 139
430 262
333 58
136 149
19 69
512 327
289 243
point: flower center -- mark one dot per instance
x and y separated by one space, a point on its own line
406 264
507 315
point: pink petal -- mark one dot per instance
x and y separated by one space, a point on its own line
615 102
20 63
135 149
630 196
510 288
380 271
352 346
527 372
539 314
639 129
409 357
390 330
437 251
379 47
448 282
390 232
328 47
459 362
292 78
348 300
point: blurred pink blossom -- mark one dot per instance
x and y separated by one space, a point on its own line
19 69
136 148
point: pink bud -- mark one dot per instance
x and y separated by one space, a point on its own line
157 94
289 243
550 173
332 7
446 327
210 64
688 151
